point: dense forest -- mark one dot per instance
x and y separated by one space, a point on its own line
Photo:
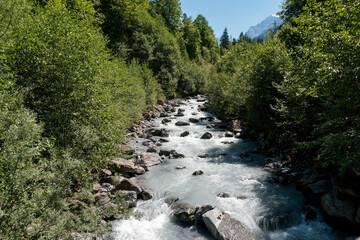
76 74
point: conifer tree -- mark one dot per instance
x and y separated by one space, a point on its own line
225 39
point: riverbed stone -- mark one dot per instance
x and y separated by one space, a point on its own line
204 155
180 167
206 135
200 212
127 149
222 226
223 195
338 209
126 184
185 134
198 172
158 132
193 120
184 212
145 194
126 166
147 160
102 198
164 140
130 198
229 134
182 123
211 126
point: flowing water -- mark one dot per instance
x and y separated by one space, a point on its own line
237 169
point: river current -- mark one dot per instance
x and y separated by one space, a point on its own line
235 168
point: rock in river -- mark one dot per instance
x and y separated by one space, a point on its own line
206 135
147 160
222 226
185 212
182 123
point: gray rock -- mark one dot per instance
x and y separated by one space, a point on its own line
184 134
206 135
197 173
130 197
147 160
185 212
151 150
203 155
126 184
200 212
211 126
164 140
336 208
182 123
193 120
223 195
96 187
227 142
171 200
126 166
158 132
222 226
102 198
179 114
145 194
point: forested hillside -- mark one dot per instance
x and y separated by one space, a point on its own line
300 88
76 74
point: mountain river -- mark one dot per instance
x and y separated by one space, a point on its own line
235 168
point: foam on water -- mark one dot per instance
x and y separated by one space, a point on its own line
230 173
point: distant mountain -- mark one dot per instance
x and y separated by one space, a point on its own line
260 30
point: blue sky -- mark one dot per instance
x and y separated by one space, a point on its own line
236 15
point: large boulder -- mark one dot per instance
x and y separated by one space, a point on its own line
206 135
130 197
147 160
182 123
341 211
126 166
184 212
222 226
125 184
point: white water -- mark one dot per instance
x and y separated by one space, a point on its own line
222 173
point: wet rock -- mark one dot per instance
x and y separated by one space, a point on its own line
193 120
210 119
158 132
102 198
181 110
229 134
130 198
223 195
210 126
126 184
147 160
198 172
336 209
164 140
171 200
126 166
194 113
201 100
184 134
171 154
200 212
206 135
274 219
166 120
241 196
179 114
145 194
227 142
180 167
203 155
222 226
202 108
151 150
184 212
182 123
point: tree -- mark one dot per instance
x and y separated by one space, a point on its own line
225 39
170 10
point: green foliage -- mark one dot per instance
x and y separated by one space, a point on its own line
170 11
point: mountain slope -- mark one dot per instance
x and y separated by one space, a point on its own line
261 28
